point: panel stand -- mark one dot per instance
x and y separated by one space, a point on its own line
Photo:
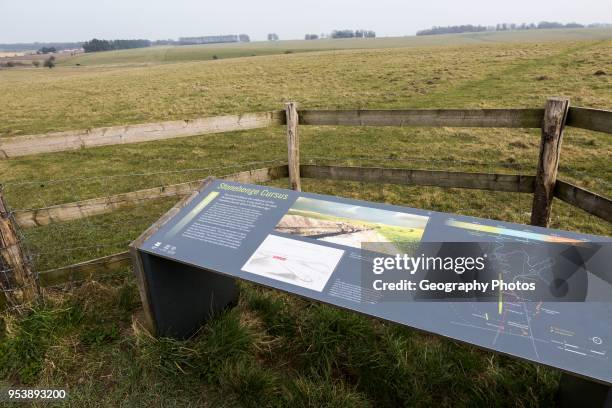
182 298
177 298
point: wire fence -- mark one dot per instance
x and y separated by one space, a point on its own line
60 244
443 199
17 280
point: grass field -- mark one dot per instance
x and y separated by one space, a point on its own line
274 350
171 54
498 74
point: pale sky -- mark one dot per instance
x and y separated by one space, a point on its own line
79 20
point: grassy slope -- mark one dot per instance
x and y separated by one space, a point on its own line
38 101
169 54
274 349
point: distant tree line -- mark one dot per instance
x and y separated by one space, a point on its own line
469 28
272 37
342 34
353 34
38 46
212 39
96 45
46 50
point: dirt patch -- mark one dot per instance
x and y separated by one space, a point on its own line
520 144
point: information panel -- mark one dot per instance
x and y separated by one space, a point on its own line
539 294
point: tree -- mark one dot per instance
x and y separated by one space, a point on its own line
46 50
96 45
343 34
244 38
272 37
311 37
499 27
549 24
455 29
50 62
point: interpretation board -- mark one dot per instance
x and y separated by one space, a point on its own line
539 294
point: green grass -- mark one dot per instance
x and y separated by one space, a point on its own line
489 75
273 349
171 54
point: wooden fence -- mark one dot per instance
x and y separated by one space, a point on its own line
148 132
544 186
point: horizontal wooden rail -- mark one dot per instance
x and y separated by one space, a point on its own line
592 119
103 205
115 135
84 270
584 199
482 181
586 118
503 118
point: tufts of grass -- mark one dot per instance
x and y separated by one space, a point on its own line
323 392
273 349
250 384
279 314
223 341
23 350
321 357
98 335
333 340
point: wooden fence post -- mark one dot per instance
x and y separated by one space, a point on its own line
293 146
3 306
555 114
21 286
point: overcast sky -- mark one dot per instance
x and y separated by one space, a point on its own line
77 20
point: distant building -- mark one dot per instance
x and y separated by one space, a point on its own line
209 39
